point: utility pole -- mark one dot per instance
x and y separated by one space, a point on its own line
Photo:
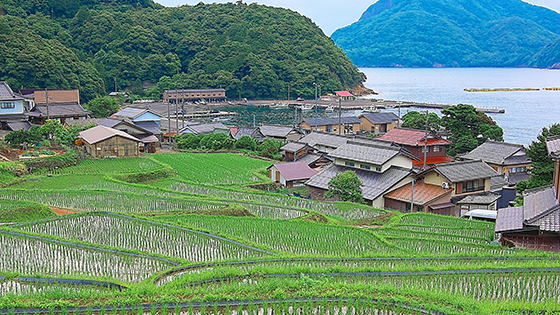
412 198
316 85
115 79
339 113
288 91
425 141
47 100
168 124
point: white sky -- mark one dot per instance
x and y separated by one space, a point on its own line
328 14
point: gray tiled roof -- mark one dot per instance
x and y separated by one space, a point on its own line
325 139
548 221
332 121
497 183
310 158
509 219
553 146
483 198
465 170
109 122
18 125
59 110
83 122
377 155
374 184
6 92
204 128
381 118
500 153
252 132
536 203
150 126
293 147
276 131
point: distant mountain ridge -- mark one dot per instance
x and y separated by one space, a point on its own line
453 33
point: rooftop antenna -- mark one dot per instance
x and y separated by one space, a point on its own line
425 141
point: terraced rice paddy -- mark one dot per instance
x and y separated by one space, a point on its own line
203 243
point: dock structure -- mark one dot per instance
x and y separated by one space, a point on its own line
360 104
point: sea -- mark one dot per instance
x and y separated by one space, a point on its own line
526 112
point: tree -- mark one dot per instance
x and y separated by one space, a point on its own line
103 106
417 120
246 143
469 128
542 167
270 147
347 186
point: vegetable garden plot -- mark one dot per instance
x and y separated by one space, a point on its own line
329 208
214 168
32 256
109 201
128 233
103 166
294 237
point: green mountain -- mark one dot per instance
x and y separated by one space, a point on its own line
252 50
452 33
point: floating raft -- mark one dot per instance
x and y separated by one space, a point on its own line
501 90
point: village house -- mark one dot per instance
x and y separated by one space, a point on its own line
535 224
60 105
253 132
381 168
449 189
416 142
508 159
290 175
331 125
191 96
204 129
301 152
378 123
144 118
325 142
12 109
149 137
345 95
282 133
105 142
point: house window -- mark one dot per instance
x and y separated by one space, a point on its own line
348 163
7 105
473 185
365 167
328 128
378 168
436 148
425 149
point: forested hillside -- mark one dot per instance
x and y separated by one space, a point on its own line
254 50
458 33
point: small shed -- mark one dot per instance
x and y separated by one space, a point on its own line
103 142
291 175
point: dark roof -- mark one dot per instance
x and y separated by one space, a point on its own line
203 128
463 171
6 92
83 122
374 184
483 198
132 113
110 122
18 125
540 210
295 170
514 178
59 110
412 137
367 153
553 146
150 126
497 182
252 132
294 147
325 139
276 131
499 153
380 118
332 121
310 158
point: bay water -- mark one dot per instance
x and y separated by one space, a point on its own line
527 112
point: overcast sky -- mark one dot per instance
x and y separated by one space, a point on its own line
328 14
